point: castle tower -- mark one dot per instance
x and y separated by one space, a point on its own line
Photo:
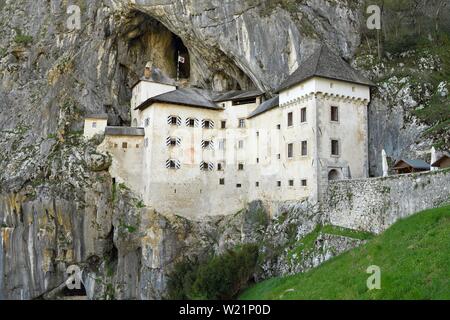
328 99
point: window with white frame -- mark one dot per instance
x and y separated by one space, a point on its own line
304 148
335 147
303 115
242 123
290 150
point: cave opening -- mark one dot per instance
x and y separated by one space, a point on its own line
181 58
148 40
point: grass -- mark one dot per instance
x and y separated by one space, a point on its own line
414 257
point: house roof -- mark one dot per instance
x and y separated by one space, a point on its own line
326 64
415 164
124 131
236 95
446 155
265 106
100 116
186 97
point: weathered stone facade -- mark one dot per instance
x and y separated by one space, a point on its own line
375 204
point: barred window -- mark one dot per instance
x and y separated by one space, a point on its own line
206 166
174 120
207 124
207 144
173 164
173 141
192 122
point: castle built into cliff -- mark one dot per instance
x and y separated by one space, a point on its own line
195 152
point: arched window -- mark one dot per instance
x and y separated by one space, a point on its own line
134 122
334 174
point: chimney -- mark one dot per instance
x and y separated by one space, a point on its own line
148 70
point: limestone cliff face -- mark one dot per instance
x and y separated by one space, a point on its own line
57 203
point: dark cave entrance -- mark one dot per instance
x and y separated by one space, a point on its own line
150 41
181 58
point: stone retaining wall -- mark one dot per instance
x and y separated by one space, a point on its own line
375 204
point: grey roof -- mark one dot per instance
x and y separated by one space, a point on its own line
124 131
102 116
416 164
236 95
265 106
444 156
185 97
326 64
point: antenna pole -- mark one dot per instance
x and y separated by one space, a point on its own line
178 66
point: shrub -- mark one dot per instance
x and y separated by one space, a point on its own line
22 38
220 277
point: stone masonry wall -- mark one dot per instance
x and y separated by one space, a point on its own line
375 204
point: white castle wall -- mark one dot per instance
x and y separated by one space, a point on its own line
191 192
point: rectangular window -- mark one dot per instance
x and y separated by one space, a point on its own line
94 124
335 114
257 184
222 144
279 156
257 160
290 150
222 181
190 123
279 126
303 115
220 166
291 183
173 120
147 122
207 124
146 143
241 144
278 183
304 148
304 183
239 185
137 146
223 124
334 147
290 119
240 166
124 145
207 144
173 142
241 123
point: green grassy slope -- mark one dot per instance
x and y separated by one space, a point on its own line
414 257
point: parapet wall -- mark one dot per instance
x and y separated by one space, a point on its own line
375 204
